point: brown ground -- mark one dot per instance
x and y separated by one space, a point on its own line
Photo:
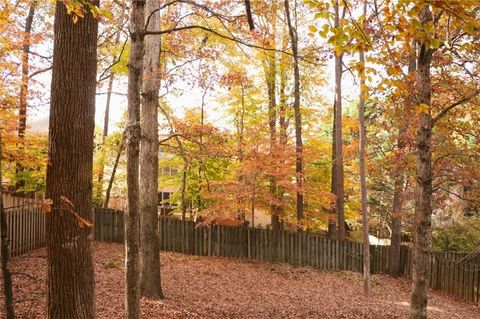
206 287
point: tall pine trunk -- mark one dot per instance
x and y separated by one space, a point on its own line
150 277
298 116
132 229
70 272
423 193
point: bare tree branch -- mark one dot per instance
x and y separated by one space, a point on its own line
445 111
248 9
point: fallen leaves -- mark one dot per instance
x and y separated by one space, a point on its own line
207 287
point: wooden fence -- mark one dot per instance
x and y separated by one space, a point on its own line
455 273
15 202
26 229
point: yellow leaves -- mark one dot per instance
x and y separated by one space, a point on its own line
323 33
435 43
394 71
76 8
312 28
422 108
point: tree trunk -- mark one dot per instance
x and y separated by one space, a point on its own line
106 118
121 147
23 105
132 230
183 189
282 114
298 116
240 126
270 69
399 175
150 277
423 193
363 168
5 254
332 224
70 272
339 187
201 159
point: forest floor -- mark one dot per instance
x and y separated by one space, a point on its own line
211 287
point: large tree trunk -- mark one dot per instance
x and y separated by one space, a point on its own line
150 277
70 273
339 185
5 254
23 105
423 193
132 230
399 176
298 116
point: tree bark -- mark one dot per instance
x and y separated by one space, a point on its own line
70 272
5 254
399 176
282 114
332 224
106 120
149 147
298 116
132 230
240 126
270 69
23 105
121 148
339 179
363 168
423 194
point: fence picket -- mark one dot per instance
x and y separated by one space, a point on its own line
449 272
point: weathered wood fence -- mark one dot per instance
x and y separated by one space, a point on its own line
26 229
455 273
